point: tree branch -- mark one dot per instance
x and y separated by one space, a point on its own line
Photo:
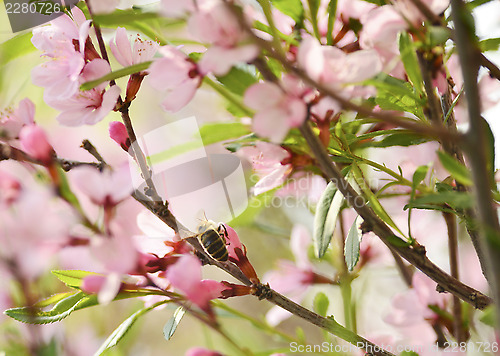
476 147
413 254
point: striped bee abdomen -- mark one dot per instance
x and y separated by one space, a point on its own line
215 245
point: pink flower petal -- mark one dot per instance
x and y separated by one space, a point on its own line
179 97
120 47
185 274
261 96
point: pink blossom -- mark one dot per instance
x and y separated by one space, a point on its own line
234 242
141 51
266 159
277 110
355 9
10 188
35 142
91 106
115 254
410 11
33 230
176 74
200 351
60 75
333 67
219 60
292 279
185 275
156 233
11 121
304 186
381 27
108 188
412 306
118 133
214 23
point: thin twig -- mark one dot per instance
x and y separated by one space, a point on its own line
413 254
476 148
90 148
451 224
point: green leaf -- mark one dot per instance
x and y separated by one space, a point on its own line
410 61
314 7
16 47
65 190
489 44
73 278
351 249
332 12
419 175
292 8
53 299
321 303
490 151
121 17
403 138
173 322
325 218
396 94
488 316
136 68
237 80
455 168
217 132
61 310
124 327
408 353
437 36
457 200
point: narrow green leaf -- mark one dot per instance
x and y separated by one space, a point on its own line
217 132
292 8
396 94
325 218
313 8
490 163
123 328
488 316
321 303
65 190
403 138
332 13
61 310
121 17
489 44
52 299
351 249
173 322
410 61
16 47
396 241
72 278
419 175
455 168
437 36
238 80
123 72
457 200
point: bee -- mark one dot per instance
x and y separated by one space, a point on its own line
213 238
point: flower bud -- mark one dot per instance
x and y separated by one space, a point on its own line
118 132
35 142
